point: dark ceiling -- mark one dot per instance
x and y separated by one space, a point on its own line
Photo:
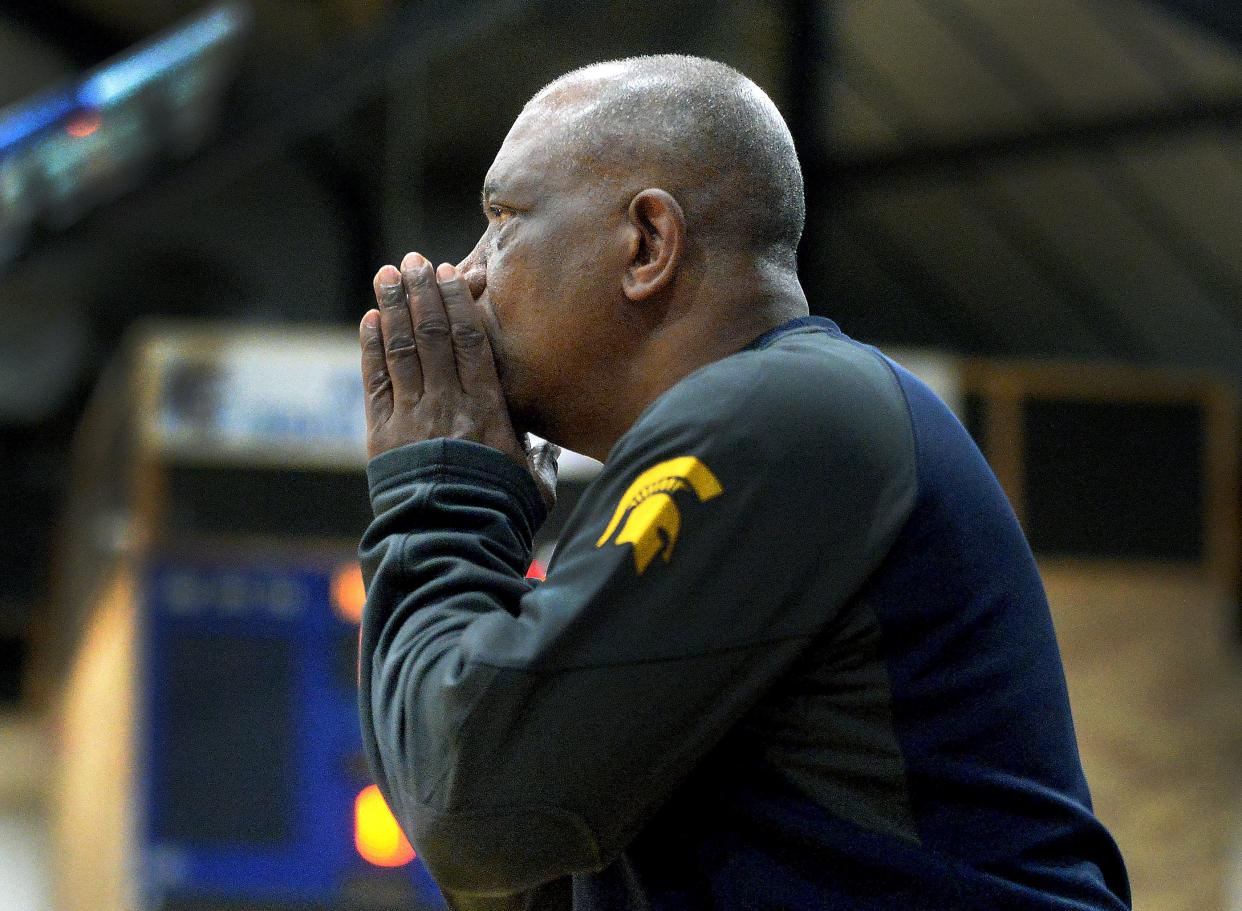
1062 179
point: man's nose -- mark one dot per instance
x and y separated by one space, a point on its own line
473 270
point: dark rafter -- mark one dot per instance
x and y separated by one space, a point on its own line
1216 280
84 39
1100 133
1067 283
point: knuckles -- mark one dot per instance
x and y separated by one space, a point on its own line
469 337
465 427
378 381
400 345
432 328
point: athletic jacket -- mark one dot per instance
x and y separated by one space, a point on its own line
792 652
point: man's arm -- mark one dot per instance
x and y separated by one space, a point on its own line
523 734
520 735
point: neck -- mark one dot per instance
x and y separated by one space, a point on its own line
716 319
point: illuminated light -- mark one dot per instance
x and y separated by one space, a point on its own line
20 124
536 570
84 124
377 836
349 595
125 75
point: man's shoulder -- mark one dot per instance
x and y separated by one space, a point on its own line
811 383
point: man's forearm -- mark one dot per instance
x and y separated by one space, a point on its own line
450 544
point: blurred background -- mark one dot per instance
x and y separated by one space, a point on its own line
1036 207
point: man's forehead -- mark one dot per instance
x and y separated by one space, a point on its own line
521 160
542 146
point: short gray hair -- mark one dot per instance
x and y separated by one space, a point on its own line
700 125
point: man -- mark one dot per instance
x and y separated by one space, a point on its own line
792 651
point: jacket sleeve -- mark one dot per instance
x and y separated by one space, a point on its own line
524 733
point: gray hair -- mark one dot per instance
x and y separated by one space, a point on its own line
698 125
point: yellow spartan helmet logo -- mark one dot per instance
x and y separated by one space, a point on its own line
648 517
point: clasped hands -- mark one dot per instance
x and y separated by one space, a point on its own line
428 370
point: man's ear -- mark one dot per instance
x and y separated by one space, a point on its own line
660 234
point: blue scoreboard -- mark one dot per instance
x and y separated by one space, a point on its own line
253 782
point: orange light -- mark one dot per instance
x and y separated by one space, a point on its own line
536 570
84 124
377 836
348 593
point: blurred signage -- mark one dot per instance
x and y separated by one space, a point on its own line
256 395
232 593
284 396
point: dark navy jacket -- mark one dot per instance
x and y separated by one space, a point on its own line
792 652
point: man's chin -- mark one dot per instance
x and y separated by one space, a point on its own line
528 420
525 410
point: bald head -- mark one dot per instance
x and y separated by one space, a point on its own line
694 127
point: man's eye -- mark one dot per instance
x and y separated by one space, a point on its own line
497 212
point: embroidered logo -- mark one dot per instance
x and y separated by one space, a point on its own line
647 516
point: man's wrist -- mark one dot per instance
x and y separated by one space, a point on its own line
445 460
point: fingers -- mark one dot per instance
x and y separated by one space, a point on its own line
375 381
473 354
431 325
402 355
429 330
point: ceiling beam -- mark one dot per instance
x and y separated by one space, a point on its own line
951 159
84 39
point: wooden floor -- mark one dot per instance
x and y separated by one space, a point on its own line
1155 676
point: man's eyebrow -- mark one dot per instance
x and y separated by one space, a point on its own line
492 189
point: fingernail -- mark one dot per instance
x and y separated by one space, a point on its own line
371 320
412 262
388 277
446 272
